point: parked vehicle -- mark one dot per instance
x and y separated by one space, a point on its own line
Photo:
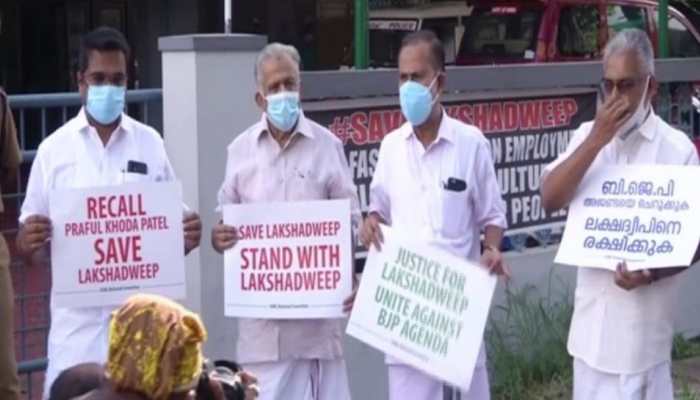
509 31
387 27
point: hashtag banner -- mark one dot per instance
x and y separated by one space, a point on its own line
525 133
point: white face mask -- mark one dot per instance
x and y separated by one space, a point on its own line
637 119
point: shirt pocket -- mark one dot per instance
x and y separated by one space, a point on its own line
308 182
65 175
134 177
141 171
454 212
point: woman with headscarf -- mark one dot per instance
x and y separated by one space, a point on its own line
155 352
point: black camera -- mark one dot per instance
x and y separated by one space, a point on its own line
225 373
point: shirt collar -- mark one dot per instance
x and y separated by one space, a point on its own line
81 123
648 127
303 127
445 131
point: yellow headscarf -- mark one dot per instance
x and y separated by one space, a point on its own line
155 347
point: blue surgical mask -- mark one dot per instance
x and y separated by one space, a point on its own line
416 101
105 103
283 110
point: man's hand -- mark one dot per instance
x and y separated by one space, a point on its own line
492 259
250 383
223 237
349 302
609 118
193 230
371 232
629 280
33 234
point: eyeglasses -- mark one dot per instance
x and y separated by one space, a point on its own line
623 86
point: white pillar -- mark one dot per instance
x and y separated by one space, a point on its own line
208 92
227 16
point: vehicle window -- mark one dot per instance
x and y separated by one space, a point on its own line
507 35
578 31
444 28
625 17
385 38
682 42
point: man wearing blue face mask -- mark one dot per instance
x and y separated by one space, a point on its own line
435 181
101 146
287 157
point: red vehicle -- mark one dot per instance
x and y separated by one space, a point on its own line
510 31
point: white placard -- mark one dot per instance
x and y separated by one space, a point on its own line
109 243
293 260
645 215
423 306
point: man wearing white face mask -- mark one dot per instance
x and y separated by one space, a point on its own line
435 181
622 328
287 157
101 146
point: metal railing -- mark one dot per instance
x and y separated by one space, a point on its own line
36 116
31 381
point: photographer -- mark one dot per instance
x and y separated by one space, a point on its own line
155 354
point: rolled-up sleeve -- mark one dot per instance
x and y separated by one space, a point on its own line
379 201
490 209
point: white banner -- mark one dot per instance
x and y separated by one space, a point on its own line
423 306
645 215
109 243
293 260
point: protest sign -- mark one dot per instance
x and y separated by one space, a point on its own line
423 306
109 243
645 215
293 260
525 133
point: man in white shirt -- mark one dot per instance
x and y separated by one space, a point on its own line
287 157
435 180
101 146
622 328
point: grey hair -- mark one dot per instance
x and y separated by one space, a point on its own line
634 40
275 51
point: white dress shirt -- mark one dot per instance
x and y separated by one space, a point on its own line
408 189
614 330
75 157
311 166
